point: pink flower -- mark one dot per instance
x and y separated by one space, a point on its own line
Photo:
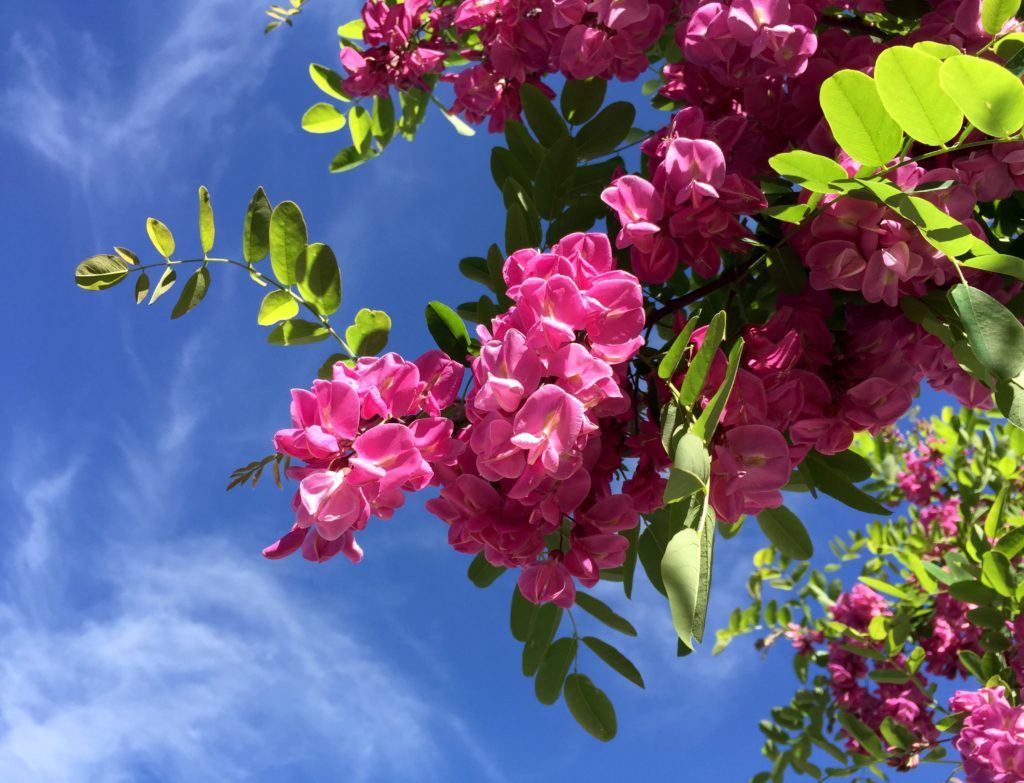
547 581
548 426
748 469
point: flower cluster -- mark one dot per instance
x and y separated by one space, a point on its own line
688 212
533 487
367 435
405 44
991 742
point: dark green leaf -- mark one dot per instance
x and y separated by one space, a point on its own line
601 611
691 469
192 293
581 98
606 131
554 178
994 333
615 659
349 158
707 422
141 288
973 593
670 361
553 670
543 627
448 331
590 707
542 116
482 573
521 616
786 532
699 367
680 573
832 482
861 732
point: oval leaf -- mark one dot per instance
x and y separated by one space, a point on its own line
615 659
590 707
160 236
297 332
99 272
322 118
606 131
680 573
368 336
319 278
908 84
996 13
601 611
328 81
448 331
287 240
990 96
192 293
164 284
206 228
786 532
581 98
994 333
813 172
858 119
542 116
256 230
554 669
277 306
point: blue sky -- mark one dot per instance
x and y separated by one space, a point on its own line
142 636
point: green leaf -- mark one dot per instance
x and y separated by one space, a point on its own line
680 572
287 240
554 178
349 158
319 278
938 50
164 284
368 336
414 109
328 81
206 227
193 292
973 592
141 288
297 332
1011 266
832 482
127 256
460 125
543 626
861 732
786 532
601 611
256 230
160 236
1012 544
708 420
990 96
996 13
670 361
849 463
581 98
813 172
521 615
590 707
858 119
997 573
521 229
100 272
353 30
707 551
908 84
277 306
448 331
323 118
691 469
553 670
359 123
382 124
699 367
615 659
994 517
543 118
1010 399
994 333
603 134
884 587
482 573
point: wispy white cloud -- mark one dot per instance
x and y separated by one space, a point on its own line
64 98
184 658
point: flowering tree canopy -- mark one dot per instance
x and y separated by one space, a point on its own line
686 318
